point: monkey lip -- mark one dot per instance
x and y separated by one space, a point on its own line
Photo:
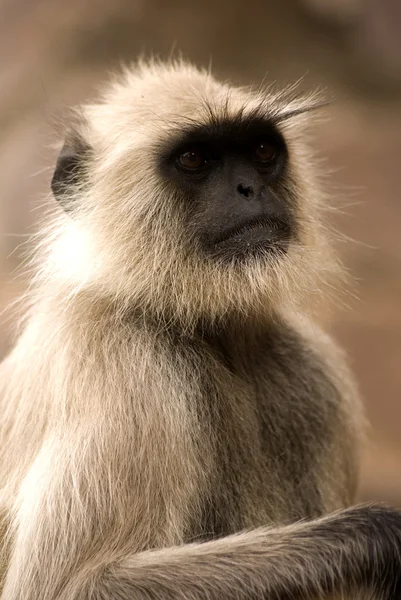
262 231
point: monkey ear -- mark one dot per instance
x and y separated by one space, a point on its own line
69 170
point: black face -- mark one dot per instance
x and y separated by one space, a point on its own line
230 177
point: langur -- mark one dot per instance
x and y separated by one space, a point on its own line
174 425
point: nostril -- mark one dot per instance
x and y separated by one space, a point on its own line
245 190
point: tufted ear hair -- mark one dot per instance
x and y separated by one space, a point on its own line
70 169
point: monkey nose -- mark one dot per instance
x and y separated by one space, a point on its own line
246 191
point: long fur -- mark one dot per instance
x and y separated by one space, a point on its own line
155 398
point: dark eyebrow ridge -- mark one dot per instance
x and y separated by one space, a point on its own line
227 130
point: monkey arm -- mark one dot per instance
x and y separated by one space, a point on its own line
350 552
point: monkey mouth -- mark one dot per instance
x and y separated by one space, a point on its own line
271 235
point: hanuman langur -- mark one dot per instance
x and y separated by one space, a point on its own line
173 424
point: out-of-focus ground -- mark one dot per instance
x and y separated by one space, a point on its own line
54 53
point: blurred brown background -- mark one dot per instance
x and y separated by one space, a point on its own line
55 52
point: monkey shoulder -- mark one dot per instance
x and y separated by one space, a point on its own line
302 360
309 404
292 382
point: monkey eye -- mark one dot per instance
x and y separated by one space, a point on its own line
192 159
265 152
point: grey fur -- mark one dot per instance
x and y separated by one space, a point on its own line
173 429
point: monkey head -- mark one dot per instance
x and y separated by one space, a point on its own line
190 198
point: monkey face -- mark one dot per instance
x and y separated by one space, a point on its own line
192 198
228 174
